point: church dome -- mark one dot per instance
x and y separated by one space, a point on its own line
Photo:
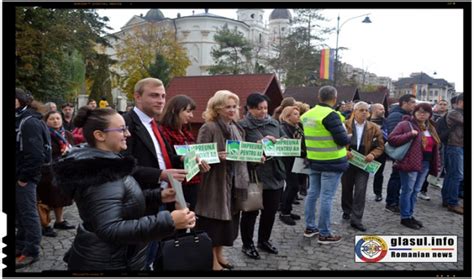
280 14
154 14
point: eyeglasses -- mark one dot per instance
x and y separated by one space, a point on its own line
421 111
122 129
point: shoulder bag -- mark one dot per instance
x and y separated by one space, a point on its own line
254 199
399 152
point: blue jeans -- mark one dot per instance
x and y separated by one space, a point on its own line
411 183
393 189
324 184
28 236
454 165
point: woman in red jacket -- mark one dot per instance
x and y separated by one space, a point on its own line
422 158
175 128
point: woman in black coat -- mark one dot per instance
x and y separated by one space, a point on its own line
290 125
118 218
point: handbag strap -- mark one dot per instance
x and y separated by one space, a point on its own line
253 175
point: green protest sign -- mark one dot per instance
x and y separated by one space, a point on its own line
191 165
358 160
243 151
205 151
282 147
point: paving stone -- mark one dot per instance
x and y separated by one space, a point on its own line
300 253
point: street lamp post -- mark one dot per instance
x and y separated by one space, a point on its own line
366 20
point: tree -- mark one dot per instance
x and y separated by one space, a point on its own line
310 19
49 43
100 79
160 69
298 55
234 54
296 59
138 50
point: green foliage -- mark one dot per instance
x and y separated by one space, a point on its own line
312 32
100 77
299 54
50 44
297 59
369 88
160 69
234 54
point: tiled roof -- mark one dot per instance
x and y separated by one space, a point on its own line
421 78
309 95
202 88
379 96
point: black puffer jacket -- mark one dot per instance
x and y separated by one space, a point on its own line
115 229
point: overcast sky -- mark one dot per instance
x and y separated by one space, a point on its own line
397 42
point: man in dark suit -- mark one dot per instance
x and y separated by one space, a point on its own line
153 155
145 142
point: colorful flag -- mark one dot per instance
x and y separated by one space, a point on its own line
326 70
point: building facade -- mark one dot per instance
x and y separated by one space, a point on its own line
424 87
196 34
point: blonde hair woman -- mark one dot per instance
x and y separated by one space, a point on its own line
290 125
225 181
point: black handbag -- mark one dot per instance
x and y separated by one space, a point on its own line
185 251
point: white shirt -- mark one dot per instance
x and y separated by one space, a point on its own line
360 131
146 121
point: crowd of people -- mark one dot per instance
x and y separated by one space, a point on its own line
117 169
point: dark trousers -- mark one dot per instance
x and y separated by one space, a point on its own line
354 188
289 195
28 236
271 199
190 195
378 177
424 188
393 188
303 183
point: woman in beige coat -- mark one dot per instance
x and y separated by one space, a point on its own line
225 181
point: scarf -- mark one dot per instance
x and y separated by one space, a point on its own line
19 112
294 130
235 132
431 128
60 137
257 121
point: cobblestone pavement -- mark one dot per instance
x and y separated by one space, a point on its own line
299 253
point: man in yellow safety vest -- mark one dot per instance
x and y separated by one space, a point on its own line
325 138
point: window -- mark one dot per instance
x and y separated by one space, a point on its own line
259 38
252 15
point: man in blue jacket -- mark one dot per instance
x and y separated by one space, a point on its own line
325 138
33 149
406 106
